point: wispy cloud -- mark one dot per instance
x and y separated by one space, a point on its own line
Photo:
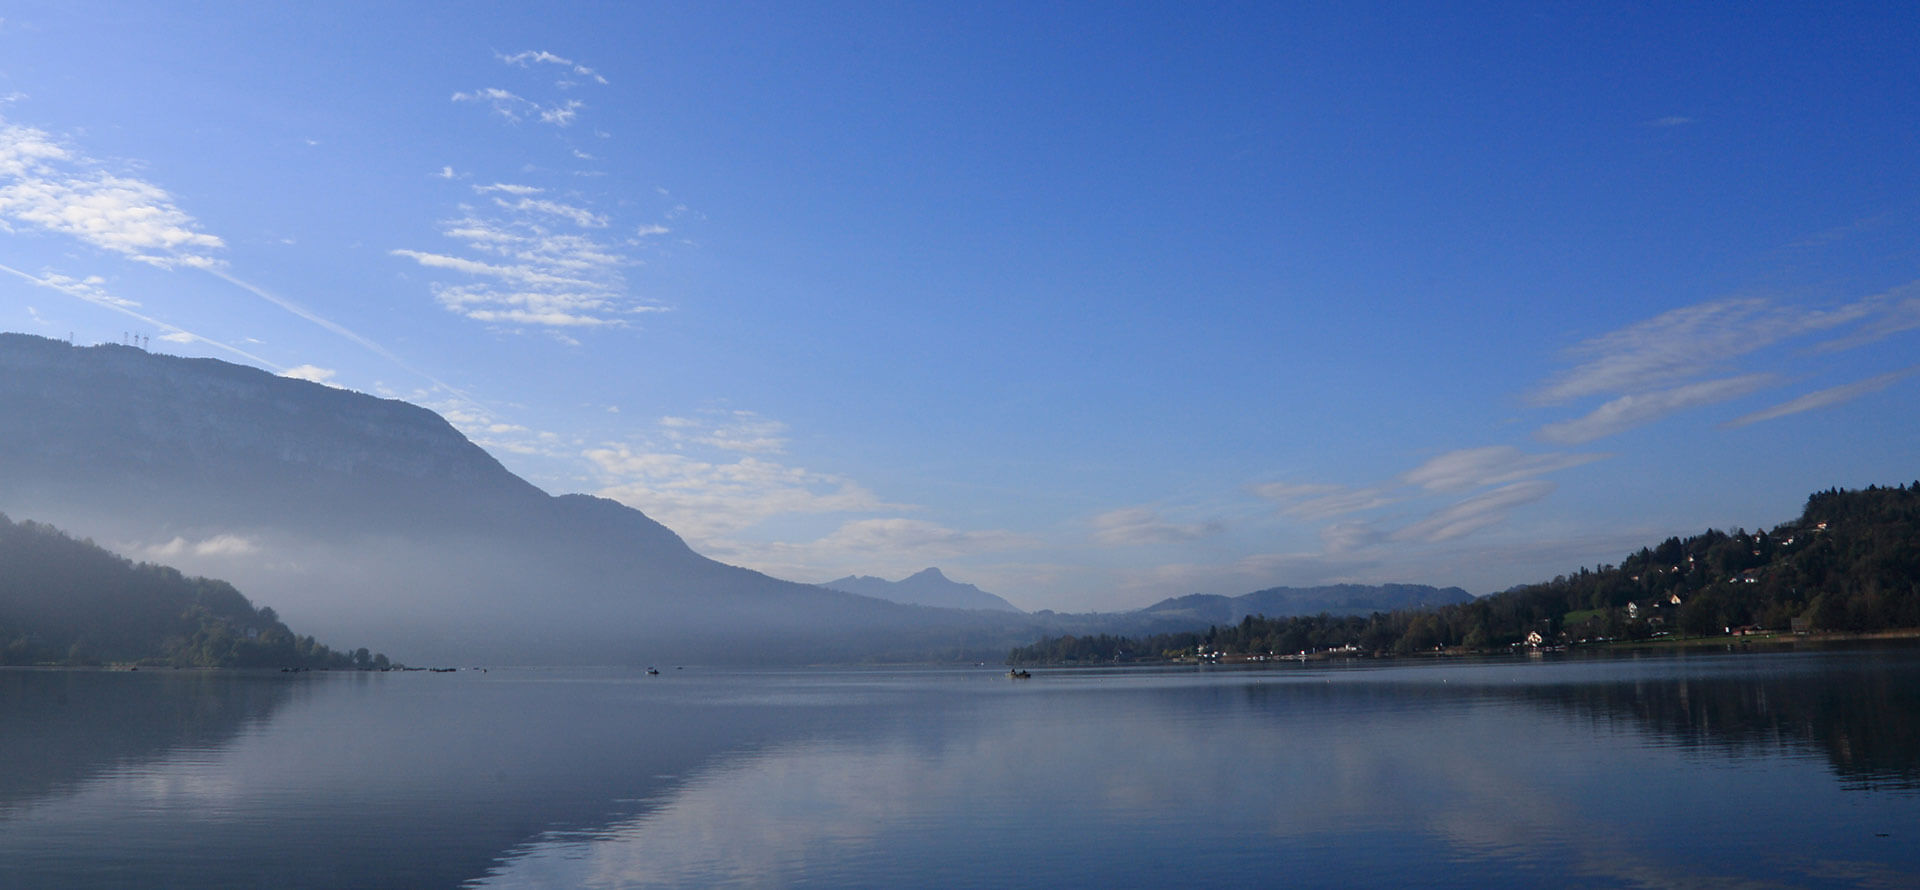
1141 526
1681 344
92 290
894 544
744 432
541 57
528 274
1650 370
1896 311
1472 468
1822 398
1352 536
45 186
709 500
1314 501
530 257
516 108
1630 411
1475 513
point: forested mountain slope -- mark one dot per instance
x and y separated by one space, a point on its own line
64 601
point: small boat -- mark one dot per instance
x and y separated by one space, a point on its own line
1018 674
654 672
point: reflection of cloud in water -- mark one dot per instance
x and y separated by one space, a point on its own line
1039 781
1076 785
754 823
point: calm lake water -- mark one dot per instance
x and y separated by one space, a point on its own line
1797 769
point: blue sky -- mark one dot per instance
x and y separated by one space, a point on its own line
1089 305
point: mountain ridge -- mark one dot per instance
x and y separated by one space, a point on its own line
1332 599
376 520
927 587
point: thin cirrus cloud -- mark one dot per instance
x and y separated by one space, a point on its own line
1471 468
1317 501
1475 513
49 187
520 272
1683 343
1651 369
744 432
1503 476
530 57
1639 409
1822 398
894 542
1141 526
92 290
528 258
516 108
710 500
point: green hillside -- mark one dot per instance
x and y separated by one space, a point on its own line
64 601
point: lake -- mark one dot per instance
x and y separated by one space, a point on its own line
1781 769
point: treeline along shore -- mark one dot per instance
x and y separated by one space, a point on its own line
1849 565
71 602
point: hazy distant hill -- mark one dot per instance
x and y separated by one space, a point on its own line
926 588
1337 599
375 520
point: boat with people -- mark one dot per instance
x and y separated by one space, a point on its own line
1018 674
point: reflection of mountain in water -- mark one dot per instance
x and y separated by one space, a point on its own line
1863 716
57 728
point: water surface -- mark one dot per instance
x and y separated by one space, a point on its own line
1739 769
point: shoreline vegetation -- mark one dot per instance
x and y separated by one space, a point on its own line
1847 569
72 603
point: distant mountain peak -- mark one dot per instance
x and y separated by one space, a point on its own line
927 587
1336 599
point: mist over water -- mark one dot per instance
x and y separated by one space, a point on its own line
1667 771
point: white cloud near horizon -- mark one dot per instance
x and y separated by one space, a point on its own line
311 374
217 545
